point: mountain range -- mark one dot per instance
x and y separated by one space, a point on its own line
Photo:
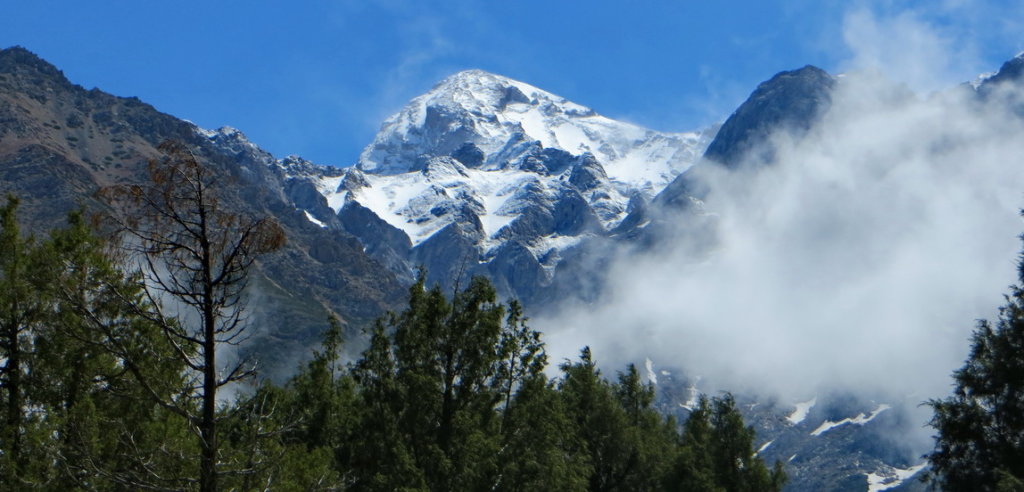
482 175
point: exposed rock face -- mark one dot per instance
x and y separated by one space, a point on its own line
790 101
483 168
831 441
60 143
469 155
587 174
383 242
573 215
515 265
482 175
1010 73
1005 85
508 162
496 115
453 252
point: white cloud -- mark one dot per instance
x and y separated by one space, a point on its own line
860 261
905 47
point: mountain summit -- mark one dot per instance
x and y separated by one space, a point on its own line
488 175
791 100
481 175
502 118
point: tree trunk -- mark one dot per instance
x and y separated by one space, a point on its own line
208 424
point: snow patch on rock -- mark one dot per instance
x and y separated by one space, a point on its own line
860 419
801 411
892 477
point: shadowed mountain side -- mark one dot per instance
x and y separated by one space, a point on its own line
60 143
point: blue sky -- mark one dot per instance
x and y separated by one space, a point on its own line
317 77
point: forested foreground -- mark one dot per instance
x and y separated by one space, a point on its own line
103 389
120 370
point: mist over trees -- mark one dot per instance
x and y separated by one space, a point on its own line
110 379
110 376
980 440
193 255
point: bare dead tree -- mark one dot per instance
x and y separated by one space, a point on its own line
194 255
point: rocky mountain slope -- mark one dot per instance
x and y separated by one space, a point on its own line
491 176
481 175
834 441
476 177
59 143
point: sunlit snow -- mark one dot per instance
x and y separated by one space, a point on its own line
892 478
412 183
314 219
802 409
860 419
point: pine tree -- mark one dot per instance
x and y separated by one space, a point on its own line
323 397
652 437
540 449
21 311
736 466
980 441
446 356
535 429
694 468
382 459
521 356
15 321
270 440
599 421
438 386
717 452
90 356
81 423
316 418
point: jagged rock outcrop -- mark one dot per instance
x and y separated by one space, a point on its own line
482 175
481 162
790 101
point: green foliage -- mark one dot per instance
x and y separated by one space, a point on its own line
981 426
21 313
440 379
88 426
600 421
450 394
383 459
535 429
97 348
694 468
718 452
540 448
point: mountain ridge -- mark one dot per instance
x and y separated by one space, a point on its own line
56 138
60 143
487 175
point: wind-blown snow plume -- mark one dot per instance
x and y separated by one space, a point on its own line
858 261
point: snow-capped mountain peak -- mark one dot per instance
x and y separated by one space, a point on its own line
501 117
489 171
471 106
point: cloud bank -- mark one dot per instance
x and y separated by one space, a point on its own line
860 261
